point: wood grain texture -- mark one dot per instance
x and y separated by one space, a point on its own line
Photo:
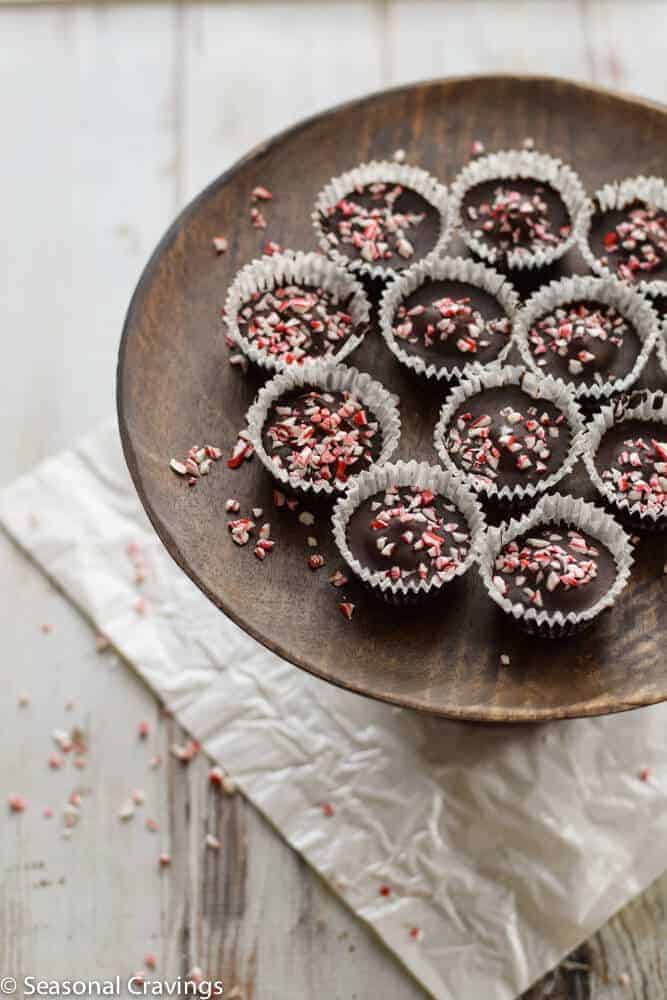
176 387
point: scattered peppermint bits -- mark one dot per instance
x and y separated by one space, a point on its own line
328 809
185 753
150 961
409 533
453 324
346 609
637 244
636 469
385 890
164 860
582 341
16 803
321 437
239 361
370 222
477 148
257 218
316 561
515 216
242 451
197 463
505 660
212 842
503 434
416 933
271 248
528 143
293 322
338 579
305 517
645 774
260 193
143 730
399 156
46 628
220 244
232 506
553 568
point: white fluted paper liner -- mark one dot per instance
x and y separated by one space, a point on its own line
452 269
580 515
654 290
539 387
413 473
378 172
298 268
642 405
609 291
618 195
514 165
381 403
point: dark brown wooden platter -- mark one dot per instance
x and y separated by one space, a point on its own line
176 387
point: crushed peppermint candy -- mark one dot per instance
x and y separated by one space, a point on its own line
197 462
212 842
635 465
16 803
346 609
377 222
260 193
584 341
328 809
409 532
294 322
515 216
637 245
338 579
220 244
321 436
257 218
187 752
505 434
450 325
271 248
242 451
477 148
553 567
316 561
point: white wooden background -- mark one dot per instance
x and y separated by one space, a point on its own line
113 117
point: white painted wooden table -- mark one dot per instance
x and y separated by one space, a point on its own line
113 117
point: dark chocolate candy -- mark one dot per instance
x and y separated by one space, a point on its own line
504 436
585 343
632 460
631 242
554 567
516 214
320 435
383 224
407 532
451 322
295 322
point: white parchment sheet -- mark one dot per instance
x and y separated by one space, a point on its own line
507 846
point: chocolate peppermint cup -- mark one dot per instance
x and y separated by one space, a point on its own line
382 217
556 569
443 316
519 209
626 458
285 309
625 230
314 427
511 434
594 333
407 529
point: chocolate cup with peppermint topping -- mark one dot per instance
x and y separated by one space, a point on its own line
314 427
624 230
518 209
292 307
511 434
443 317
381 217
557 568
625 452
596 334
407 528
